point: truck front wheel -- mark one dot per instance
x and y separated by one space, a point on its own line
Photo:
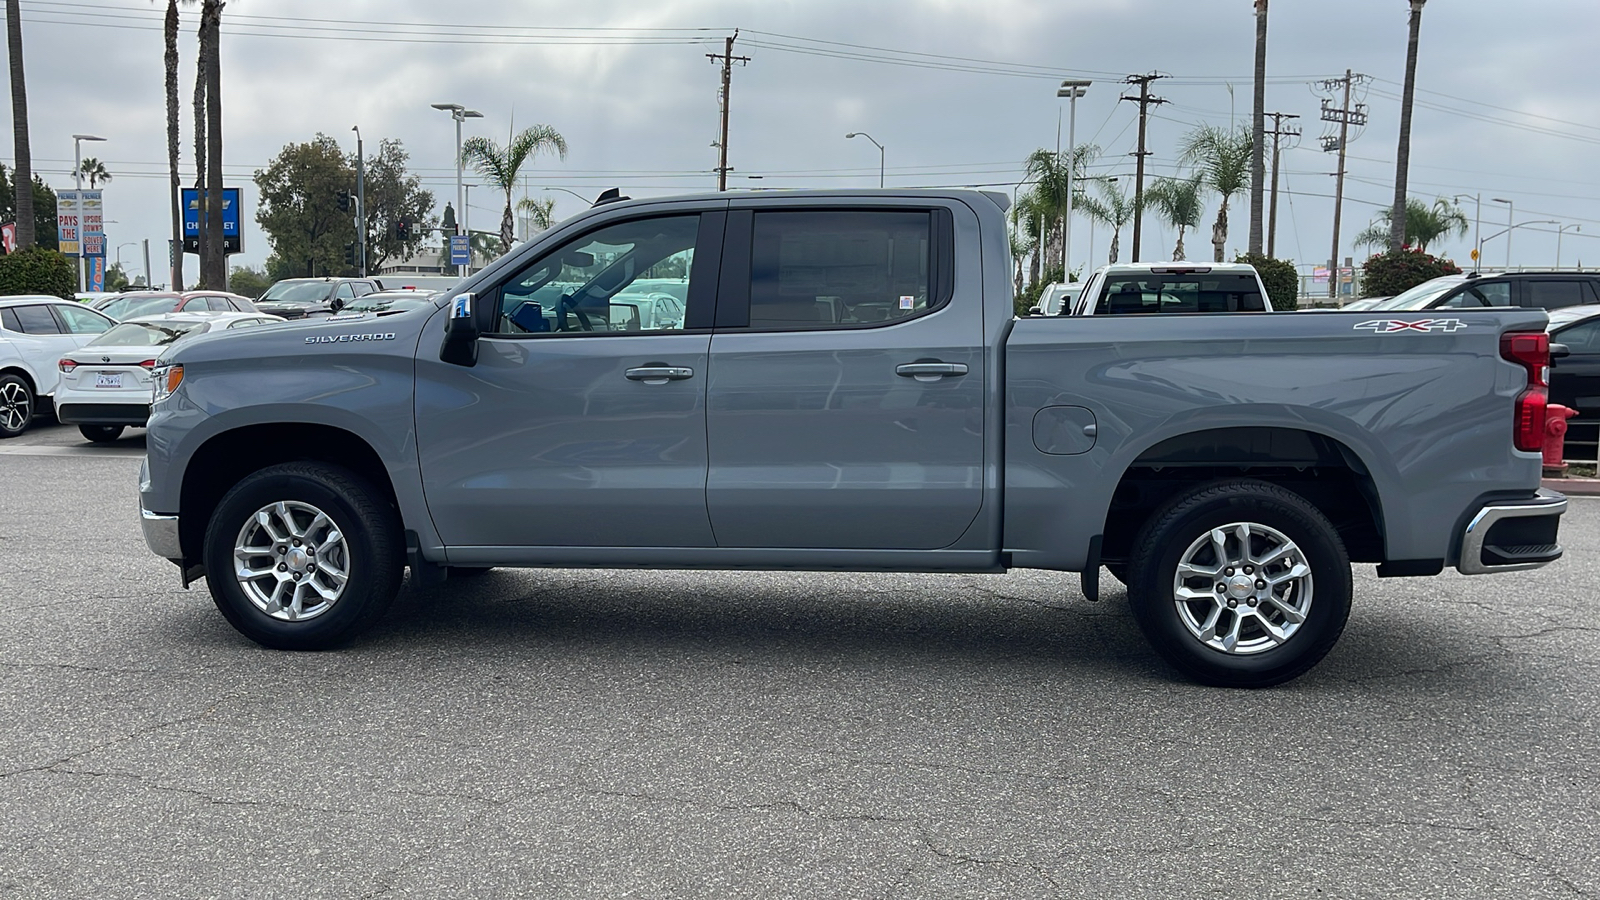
1240 584
303 556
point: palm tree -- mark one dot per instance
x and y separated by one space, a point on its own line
94 170
23 178
1402 156
1424 224
1112 208
1049 171
170 34
1258 169
499 165
1179 201
541 212
1223 160
1021 245
213 258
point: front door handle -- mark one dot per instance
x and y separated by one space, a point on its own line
931 371
657 373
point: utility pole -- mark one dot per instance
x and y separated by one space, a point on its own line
361 204
1144 100
727 59
1345 117
1277 132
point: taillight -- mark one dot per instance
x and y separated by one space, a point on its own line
1531 350
148 364
67 365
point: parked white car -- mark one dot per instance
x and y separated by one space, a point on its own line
1172 287
106 384
34 332
1057 299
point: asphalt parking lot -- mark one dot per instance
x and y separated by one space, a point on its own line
672 734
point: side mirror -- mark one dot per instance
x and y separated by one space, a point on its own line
1035 311
460 346
336 305
1559 351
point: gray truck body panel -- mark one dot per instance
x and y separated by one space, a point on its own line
803 449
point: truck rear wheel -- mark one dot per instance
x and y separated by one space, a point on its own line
1240 584
303 556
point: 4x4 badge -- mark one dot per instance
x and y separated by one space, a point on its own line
1395 326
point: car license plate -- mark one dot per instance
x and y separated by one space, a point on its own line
102 380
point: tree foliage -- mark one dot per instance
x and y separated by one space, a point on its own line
1113 208
248 282
299 210
1180 204
1424 224
393 195
44 209
500 166
1387 274
37 270
1279 276
1222 158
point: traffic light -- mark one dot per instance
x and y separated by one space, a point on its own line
343 198
350 253
402 229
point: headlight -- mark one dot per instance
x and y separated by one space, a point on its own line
166 380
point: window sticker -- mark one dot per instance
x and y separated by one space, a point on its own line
907 301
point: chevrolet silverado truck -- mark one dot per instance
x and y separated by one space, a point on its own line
835 381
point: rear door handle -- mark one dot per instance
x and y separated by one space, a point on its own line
658 374
930 371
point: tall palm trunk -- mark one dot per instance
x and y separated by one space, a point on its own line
215 257
1116 242
200 155
170 34
508 224
1178 251
1219 231
23 182
1258 169
1402 157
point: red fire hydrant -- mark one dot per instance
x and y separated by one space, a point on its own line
1555 437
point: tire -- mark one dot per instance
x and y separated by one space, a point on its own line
1310 580
17 405
101 434
287 605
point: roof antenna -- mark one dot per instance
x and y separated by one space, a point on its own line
609 195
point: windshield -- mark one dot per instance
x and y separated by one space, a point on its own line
128 307
304 293
1420 296
145 334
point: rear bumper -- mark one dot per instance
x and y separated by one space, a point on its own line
161 534
69 413
1510 535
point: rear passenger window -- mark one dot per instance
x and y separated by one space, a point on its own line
219 304
841 268
36 320
1555 294
1158 292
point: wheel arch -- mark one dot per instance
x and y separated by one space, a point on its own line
22 372
1321 467
228 456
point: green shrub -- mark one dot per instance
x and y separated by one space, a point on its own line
37 270
1030 295
1387 274
1280 277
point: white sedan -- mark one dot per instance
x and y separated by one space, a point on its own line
106 385
34 332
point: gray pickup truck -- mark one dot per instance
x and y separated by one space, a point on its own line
835 381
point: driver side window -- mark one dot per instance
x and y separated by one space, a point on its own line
629 277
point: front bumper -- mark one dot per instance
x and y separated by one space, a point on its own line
161 535
1510 535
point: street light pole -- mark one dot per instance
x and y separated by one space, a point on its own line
1559 232
460 114
1510 228
1511 216
147 277
77 184
1477 226
875 144
1072 90
361 204
466 222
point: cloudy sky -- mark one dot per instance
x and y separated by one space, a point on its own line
958 91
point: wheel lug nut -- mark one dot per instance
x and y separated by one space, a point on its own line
282 550
297 576
1227 571
1248 570
1221 587
283 567
1233 604
1261 585
1252 602
297 543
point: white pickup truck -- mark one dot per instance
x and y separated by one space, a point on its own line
1172 287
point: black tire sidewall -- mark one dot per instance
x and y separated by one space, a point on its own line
1170 533
33 405
101 434
374 562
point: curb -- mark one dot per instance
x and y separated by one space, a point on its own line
1573 487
